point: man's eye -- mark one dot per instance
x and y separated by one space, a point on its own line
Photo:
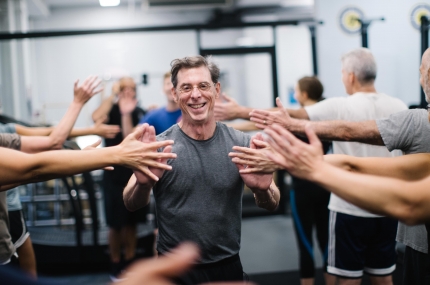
186 88
204 86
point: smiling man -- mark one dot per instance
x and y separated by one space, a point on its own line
200 200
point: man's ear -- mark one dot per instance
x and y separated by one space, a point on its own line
218 90
173 93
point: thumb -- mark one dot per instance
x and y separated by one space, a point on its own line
139 131
279 103
101 120
226 98
312 137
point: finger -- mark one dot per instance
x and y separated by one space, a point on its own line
242 161
286 134
138 132
260 126
261 143
312 137
276 158
109 168
156 145
146 171
259 114
226 98
76 84
279 103
170 265
167 151
156 164
152 136
276 142
94 145
244 149
161 155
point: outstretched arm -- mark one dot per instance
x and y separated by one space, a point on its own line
409 167
59 134
406 201
19 167
364 131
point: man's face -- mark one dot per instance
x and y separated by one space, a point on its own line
346 80
197 106
167 89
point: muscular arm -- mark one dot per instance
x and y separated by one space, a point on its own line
410 167
268 199
364 131
136 195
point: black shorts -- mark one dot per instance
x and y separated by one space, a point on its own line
358 244
18 228
117 215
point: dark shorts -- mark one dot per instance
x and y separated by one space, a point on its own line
117 215
416 267
358 245
229 269
18 228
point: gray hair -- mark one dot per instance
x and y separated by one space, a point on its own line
362 63
194 62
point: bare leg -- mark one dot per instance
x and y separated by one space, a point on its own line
129 241
329 279
307 281
115 245
381 280
343 281
27 259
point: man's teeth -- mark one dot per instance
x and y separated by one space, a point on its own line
197 106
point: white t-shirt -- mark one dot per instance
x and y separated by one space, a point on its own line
357 107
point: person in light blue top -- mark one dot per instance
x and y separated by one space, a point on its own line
164 117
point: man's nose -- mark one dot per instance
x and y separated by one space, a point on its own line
195 93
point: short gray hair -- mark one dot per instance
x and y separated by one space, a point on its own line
194 62
362 63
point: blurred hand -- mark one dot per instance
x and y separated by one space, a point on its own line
84 92
161 270
105 131
126 104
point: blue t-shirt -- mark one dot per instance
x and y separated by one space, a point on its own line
161 119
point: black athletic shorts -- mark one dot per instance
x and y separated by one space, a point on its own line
18 228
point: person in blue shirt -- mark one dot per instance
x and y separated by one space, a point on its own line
164 117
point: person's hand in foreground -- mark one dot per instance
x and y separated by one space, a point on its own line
141 154
255 158
264 118
300 159
161 270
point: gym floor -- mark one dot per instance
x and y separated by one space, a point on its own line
269 255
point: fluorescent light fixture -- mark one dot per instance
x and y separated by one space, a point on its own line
109 3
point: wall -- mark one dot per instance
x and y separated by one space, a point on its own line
57 62
394 43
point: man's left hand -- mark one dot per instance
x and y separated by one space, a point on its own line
257 180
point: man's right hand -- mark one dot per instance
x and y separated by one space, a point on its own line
149 137
264 118
143 157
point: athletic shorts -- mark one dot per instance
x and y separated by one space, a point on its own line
358 245
18 228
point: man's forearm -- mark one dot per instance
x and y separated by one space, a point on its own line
364 132
268 199
136 195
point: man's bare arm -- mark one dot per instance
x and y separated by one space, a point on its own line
364 132
405 200
268 199
410 167
137 195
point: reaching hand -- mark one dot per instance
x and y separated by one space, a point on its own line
127 104
255 181
161 270
105 131
140 156
225 111
255 159
84 92
299 158
149 137
264 118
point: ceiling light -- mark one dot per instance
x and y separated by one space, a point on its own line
109 3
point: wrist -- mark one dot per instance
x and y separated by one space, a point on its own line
77 104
